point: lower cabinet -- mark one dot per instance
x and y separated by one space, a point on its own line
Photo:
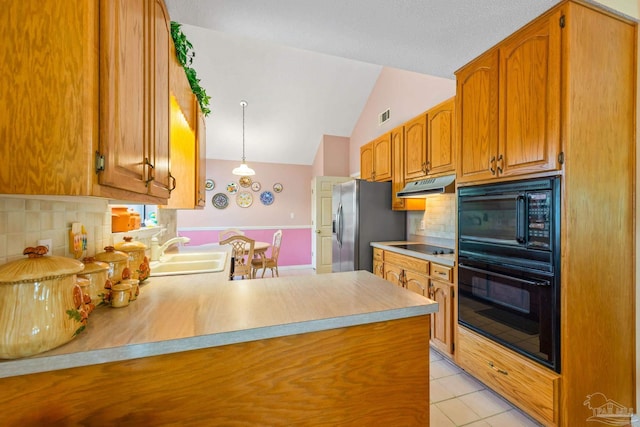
526 384
433 280
442 291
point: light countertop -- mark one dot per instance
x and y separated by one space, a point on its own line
444 259
182 313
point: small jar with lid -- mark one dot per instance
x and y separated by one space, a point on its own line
116 260
120 295
97 273
136 252
42 306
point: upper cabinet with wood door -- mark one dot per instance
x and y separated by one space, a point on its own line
441 148
509 106
415 148
429 144
134 96
397 178
375 159
188 142
84 101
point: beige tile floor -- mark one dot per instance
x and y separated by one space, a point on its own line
458 399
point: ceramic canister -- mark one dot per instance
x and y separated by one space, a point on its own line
41 306
97 273
120 295
116 260
136 252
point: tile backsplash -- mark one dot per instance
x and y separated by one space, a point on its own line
438 218
25 221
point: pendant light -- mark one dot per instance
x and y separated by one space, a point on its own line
243 169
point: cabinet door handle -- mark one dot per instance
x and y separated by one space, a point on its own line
173 187
150 175
498 370
491 162
426 169
501 160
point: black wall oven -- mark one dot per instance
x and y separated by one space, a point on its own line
508 265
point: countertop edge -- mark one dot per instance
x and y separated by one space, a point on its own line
18 367
448 260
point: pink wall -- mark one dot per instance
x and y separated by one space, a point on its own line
407 94
290 211
332 157
295 249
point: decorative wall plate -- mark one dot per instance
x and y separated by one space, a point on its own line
266 197
256 186
209 184
245 181
244 199
277 187
220 200
232 188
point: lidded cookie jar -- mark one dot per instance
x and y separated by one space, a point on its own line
97 272
137 256
41 306
116 260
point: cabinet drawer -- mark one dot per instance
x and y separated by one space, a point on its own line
529 386
407 262
441 272
377 254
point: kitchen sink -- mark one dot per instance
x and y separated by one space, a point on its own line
189 263
194 256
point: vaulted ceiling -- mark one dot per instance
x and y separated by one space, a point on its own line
307 67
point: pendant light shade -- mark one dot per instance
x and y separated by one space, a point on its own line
243 169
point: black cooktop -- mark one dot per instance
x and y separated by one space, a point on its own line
425 249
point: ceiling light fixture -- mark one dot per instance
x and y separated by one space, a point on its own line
243 169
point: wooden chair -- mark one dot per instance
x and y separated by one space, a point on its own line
242 253
271 262
225 234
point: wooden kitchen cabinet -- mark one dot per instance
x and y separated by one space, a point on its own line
509 106
415 148
430 279
101 130
134 96
378 263
541 96
397 177
442 291
375 159
188 143
201 159
429 143
441 148
511 375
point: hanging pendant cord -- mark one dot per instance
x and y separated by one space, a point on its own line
244 104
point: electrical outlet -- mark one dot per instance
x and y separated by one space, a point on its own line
48 243
422 225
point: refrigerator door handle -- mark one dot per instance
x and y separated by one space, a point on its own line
339 225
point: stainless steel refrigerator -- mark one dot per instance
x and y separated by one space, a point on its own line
362 214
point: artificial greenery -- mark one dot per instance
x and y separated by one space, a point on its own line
185 55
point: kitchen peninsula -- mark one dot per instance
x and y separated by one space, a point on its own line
341 348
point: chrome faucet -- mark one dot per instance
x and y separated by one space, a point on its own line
157 250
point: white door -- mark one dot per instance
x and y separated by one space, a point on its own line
322 190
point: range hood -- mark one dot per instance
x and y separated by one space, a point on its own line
427 187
